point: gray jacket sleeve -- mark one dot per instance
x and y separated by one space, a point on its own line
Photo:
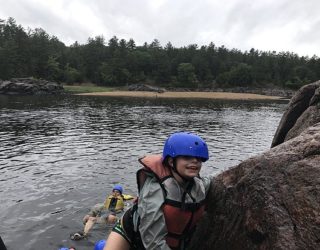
207 182
152 222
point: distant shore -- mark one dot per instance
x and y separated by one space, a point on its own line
187 94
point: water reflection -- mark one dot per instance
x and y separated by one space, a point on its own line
60 155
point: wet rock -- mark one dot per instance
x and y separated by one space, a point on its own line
302 111
30 86
271 201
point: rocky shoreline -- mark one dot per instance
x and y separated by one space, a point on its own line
185 95
272 91
30 86
287 93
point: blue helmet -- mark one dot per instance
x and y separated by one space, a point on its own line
185 144
118 188
99 245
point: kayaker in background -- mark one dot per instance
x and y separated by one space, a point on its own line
171 198
104 213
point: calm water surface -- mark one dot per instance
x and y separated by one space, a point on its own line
61 155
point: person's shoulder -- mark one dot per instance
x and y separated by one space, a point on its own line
151 182
204 180
207 177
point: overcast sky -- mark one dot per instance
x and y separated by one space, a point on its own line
280 25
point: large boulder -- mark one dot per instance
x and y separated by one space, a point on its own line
271 201
30 86
302 112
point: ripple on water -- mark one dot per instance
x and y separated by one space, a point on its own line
62 155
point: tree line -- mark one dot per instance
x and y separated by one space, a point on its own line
119 62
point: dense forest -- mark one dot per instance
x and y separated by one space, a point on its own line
117 62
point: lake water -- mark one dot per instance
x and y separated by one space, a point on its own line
61 155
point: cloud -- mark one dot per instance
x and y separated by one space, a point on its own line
280 25
274 25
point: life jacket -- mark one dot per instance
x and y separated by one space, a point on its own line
113 203
182 209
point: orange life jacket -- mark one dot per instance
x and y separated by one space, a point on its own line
182 209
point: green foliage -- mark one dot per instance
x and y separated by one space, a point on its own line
294 83
53 70
110 75
241 75
223 79
72 75
304 74
117 62
186 75
131 45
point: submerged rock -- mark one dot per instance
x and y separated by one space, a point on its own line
271 201
30 86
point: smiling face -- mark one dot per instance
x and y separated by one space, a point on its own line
116 193
187 166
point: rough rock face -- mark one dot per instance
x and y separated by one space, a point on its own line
29 86
302 111
271 201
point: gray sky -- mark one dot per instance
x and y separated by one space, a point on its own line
280 25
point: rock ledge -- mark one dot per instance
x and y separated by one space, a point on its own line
30 86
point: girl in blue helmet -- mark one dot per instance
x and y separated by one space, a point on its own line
171 198
104 213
